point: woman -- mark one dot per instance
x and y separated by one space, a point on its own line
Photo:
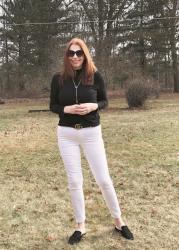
77 93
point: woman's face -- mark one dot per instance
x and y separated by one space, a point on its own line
76 59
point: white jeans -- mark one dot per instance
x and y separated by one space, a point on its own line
90 140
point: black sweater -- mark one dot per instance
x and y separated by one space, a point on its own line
65 95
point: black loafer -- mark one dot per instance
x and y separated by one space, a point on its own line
75 237
125 232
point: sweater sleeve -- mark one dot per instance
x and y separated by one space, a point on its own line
102 99
55 107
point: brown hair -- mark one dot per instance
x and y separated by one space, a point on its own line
88 67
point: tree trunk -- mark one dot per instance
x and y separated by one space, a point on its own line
21 62
175 69
141 40
7 85
174 50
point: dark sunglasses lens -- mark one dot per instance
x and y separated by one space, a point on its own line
71 53
79 53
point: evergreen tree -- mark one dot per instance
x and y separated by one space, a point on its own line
29 38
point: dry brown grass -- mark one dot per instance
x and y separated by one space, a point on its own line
143 154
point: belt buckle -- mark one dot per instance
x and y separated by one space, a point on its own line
78 126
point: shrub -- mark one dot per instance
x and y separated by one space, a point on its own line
137 93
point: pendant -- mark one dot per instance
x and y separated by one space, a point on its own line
76 90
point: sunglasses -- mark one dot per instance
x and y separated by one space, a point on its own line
71 53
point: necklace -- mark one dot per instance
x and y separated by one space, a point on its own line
76 89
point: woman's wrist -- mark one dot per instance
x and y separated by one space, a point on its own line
66 109
95 106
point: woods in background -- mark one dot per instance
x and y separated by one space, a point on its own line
129 39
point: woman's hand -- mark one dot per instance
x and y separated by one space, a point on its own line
72 109
86 108
81 109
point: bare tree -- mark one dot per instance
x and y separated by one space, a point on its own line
102 16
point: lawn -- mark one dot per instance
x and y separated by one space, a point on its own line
142 148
